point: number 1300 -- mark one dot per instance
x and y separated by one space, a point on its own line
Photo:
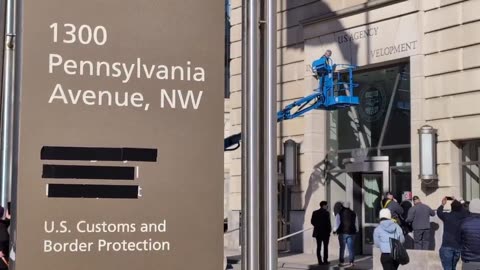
84 34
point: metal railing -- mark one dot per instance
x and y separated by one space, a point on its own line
293 234
281 238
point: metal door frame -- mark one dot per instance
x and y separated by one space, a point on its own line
367 249
378 165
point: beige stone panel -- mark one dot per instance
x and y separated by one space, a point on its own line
470 11
235 83
434 86
315 122
462 128
236 185
443 171
441 18
283 5
290 91
430 4
236 16
448 39
291 127
451 38
307 164
236 99
471 57
235 4
236 169
290 54
414 149
314 142
293 16
449 2
235 201
236 33
430 42
443 62
444 152
236 66
465 104
375 15
448 84
291 72
289 36
235 128
470 80
237 154
416 109
417 87
437 108
235 49
417 66
236 117
471 32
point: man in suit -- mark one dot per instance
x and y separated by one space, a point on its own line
321 231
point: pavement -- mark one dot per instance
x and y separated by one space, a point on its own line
300 261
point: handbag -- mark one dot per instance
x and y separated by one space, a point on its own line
398 251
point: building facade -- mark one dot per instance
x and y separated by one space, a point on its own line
418 64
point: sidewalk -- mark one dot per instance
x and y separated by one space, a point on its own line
295 261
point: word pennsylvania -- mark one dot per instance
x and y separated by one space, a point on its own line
125 71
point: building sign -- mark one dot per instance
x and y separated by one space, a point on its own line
120 160
349 36
371 43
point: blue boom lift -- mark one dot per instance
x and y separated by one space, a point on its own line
333 92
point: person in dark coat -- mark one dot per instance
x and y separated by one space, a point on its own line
470 237
346 226
419 215
321 231
451 245
391 204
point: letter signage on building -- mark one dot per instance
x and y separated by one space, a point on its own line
368 44
120 129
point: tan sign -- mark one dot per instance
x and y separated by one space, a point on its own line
120 162
371 43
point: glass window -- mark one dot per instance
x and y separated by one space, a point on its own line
471 169
382 119
362 126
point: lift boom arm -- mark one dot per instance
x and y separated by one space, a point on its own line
326 97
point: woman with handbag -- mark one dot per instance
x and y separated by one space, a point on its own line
383 235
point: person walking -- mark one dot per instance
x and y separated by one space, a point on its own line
470 237
395 209
451 244
346 226
322 228
381 238
419 215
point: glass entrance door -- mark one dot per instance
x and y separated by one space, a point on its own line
372 186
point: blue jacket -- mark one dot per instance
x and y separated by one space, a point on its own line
382 234
470 234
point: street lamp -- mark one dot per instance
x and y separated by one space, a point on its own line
428 153
290 162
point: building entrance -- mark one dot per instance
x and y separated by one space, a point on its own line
369 179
